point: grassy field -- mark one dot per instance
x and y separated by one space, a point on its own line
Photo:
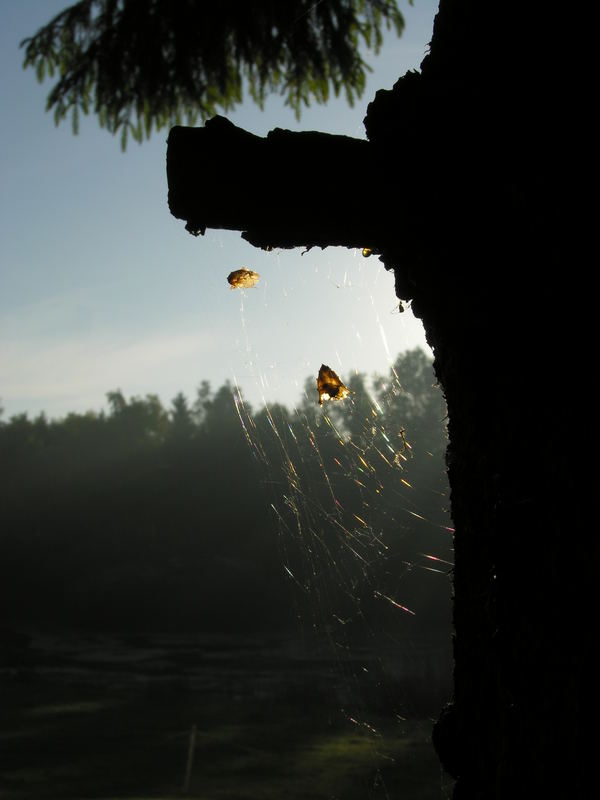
76 725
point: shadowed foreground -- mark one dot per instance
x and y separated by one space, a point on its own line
110 717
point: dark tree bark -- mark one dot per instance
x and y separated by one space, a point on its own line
221 176
470 163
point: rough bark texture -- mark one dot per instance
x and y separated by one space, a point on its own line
473 150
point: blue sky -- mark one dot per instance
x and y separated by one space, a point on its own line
100 288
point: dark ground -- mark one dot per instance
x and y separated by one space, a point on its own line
112 717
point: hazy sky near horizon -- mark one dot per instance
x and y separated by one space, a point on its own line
101 288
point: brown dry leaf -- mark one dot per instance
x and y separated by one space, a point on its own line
330 386
243 278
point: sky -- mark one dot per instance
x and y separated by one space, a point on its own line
102 289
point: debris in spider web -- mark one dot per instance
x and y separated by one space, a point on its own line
402 306
330 386
367 252
243 278
405 444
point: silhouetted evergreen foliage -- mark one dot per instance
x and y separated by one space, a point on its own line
143 517
149 64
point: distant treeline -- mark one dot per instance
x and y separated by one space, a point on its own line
208 517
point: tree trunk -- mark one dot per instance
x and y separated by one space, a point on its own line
473 151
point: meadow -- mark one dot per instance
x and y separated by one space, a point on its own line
128 718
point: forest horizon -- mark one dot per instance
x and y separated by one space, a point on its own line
152 518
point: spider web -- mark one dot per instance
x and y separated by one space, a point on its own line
348 515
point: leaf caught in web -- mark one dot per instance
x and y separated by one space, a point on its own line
330 386
243 278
